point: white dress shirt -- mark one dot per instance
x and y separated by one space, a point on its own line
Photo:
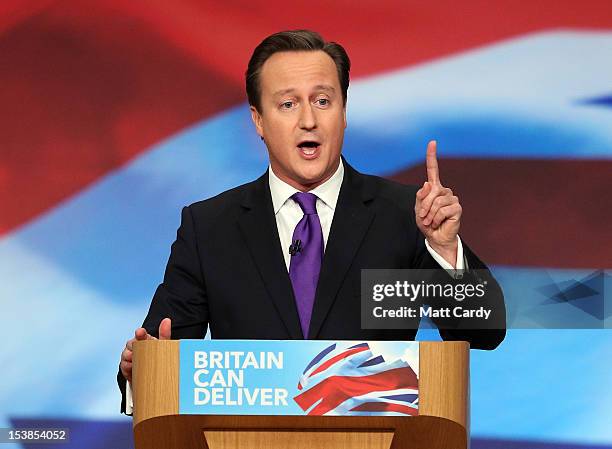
288 213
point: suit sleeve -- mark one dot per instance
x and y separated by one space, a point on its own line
182 295
493 330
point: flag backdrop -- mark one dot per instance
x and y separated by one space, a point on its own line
114 114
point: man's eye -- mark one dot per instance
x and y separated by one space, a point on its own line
323 101
287 105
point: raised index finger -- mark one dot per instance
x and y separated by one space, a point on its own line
432 163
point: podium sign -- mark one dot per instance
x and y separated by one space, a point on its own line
298 377
300 394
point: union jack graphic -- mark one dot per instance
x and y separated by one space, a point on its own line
351 380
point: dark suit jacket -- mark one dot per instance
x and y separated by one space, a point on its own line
226 268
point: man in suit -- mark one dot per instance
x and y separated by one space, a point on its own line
281 257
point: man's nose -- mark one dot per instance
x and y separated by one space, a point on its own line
308 119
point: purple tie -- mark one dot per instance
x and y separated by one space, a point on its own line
306 255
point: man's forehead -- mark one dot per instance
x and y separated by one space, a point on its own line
285 72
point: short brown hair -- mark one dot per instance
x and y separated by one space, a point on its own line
294 40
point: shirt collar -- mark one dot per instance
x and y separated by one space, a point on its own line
327 192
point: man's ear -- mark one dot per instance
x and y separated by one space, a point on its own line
344 114
257 120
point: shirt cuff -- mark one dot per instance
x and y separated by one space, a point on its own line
459 263
129 402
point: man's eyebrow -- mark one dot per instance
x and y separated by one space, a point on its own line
325 87
284 91
292 89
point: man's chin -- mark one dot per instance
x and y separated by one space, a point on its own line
311 180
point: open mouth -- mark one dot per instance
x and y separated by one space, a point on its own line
309 147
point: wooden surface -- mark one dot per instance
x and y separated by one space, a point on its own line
186 431
444 380
223 439
442 422
155 379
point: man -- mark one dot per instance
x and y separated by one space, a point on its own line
281 257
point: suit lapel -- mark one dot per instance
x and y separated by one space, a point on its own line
349 226
259 230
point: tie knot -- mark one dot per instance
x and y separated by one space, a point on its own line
307 202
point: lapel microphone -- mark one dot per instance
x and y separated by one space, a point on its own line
295 247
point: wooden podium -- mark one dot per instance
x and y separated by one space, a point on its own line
443 420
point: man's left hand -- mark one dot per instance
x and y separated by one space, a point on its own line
437 211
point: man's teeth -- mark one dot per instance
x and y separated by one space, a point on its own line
309 150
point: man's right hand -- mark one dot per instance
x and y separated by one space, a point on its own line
141 334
